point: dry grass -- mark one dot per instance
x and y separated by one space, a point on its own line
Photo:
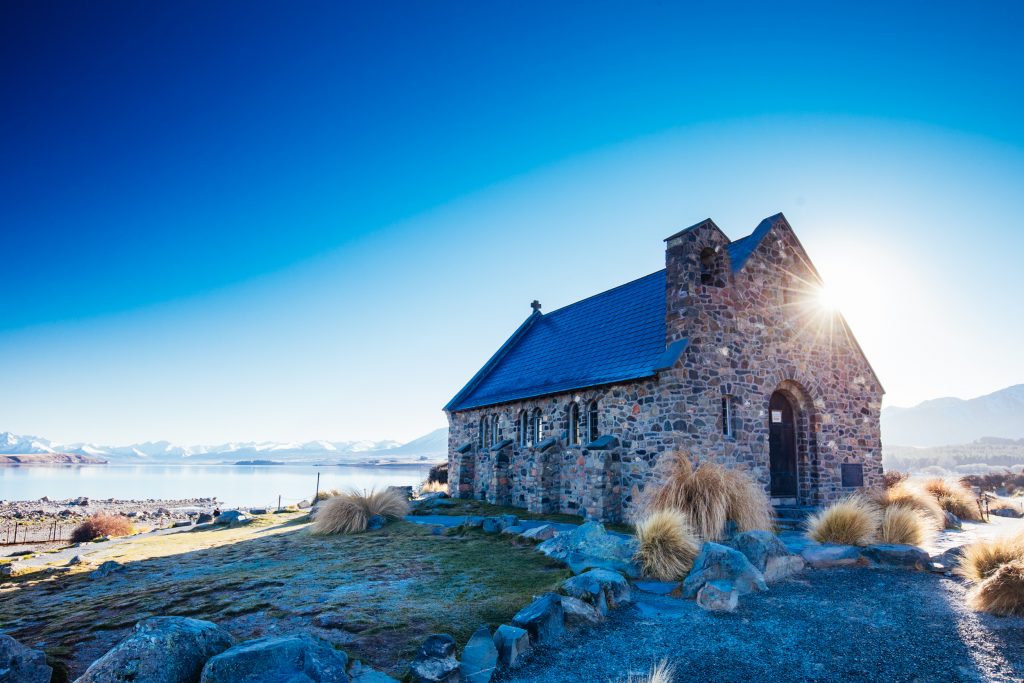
667 545
981 559
908 495
662 672
326 494
102 524
433 487
905 525
710 495
892 477
1001 593
954 497
852 521
349 512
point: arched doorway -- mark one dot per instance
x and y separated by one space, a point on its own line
782 446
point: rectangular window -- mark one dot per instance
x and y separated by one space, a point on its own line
728 417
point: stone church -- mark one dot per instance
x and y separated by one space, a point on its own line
727 354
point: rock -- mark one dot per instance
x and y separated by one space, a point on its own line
717 562
894 555
579 613
181 523
718 596
360 673
512 643
160 650
258 511
435 662
6 570
516 530
589 546
278 659
77 559
658 587
106 569
479 657
543 532
19 664
81 500
825 556
952 521
948 560
473 522
404 490
509 520
768 554
163 511
602 588
432 496
543 619
1007 512
376 522
232 517
304 505
204 518
492 525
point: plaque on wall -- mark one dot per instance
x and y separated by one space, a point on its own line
852 474
777 416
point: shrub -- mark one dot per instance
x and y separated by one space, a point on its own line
350 512
662 672
981 559
667 545
438 474
954 497
101 524
711 495
326 494
1001 593
433 487
911 496
905 525
893 477
852 521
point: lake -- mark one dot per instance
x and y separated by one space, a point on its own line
232 485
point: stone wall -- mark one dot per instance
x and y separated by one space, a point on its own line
750 334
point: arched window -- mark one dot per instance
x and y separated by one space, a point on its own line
593 430
524 428
484 438
708 266
574 424
536 427
495 430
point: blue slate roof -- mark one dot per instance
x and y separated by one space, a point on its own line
613 336
741 249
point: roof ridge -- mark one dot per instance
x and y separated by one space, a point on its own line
607 291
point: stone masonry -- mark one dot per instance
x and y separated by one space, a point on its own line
750 332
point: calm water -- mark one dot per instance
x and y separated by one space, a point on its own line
231 484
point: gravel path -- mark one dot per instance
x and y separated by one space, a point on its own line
823 625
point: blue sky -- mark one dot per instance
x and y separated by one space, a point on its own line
241 221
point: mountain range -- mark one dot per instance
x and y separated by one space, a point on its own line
428 447
948 421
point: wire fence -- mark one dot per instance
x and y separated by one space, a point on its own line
21 533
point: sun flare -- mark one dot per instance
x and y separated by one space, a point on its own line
827 298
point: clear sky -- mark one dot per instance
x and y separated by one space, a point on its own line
252 220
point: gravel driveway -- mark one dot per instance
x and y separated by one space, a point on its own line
823 625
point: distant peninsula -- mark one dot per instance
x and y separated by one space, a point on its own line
50 459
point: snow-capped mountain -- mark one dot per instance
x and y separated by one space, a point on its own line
166 452
946 421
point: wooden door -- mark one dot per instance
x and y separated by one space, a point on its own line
782 446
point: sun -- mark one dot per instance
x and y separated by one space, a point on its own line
827 298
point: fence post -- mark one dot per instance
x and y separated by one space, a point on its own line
317 488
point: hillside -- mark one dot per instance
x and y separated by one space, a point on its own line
944 421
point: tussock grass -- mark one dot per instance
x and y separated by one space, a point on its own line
954 497
433 487
662 672
349 512
1001 593
667 544
851 521
326 494
981 559
905 525
102 524
711 495
908 495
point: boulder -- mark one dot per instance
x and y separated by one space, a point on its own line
543 619
717 562
404 490
718 596
948 560
512 643
19 664
304 505
360 673
77 559
768 554
160 650
81 500
6 570
580 613
473 522
513 530
589 546
1008 512
479 657
435 662
278 659
509 520
894 555
258 511
828 555
952 521
543 532
106 569
492 525
602 588
232 517
204 518
435 503
181 523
